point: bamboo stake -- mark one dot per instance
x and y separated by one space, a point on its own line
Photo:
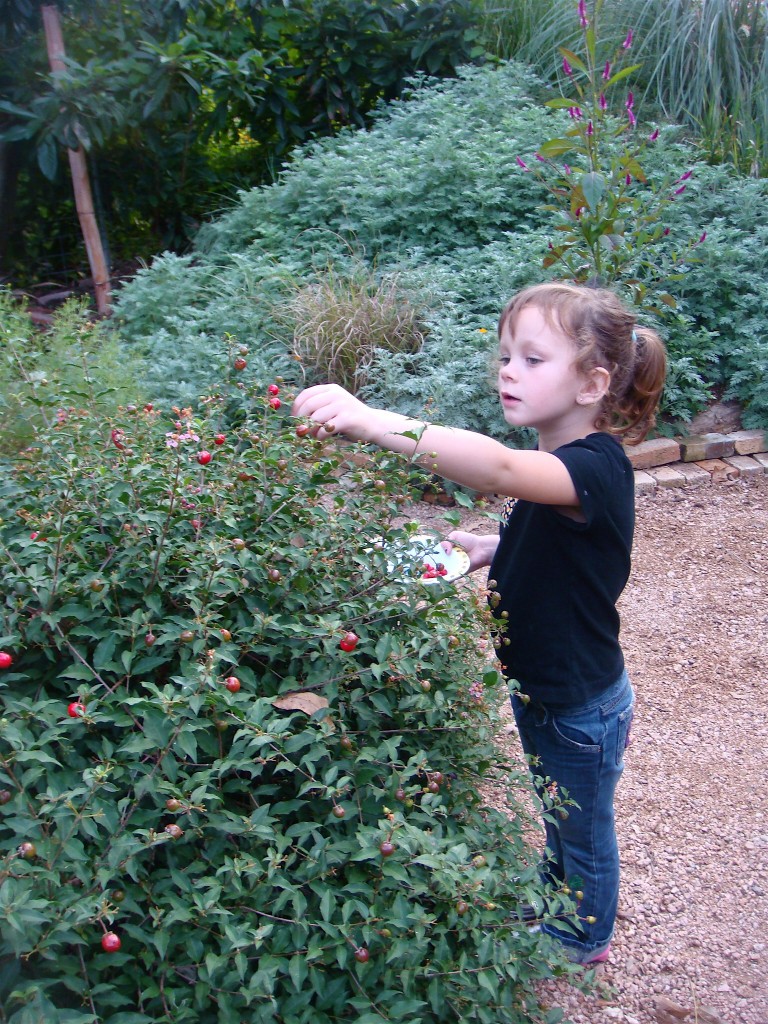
81 184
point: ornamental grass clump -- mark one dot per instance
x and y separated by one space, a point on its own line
240 754
342 320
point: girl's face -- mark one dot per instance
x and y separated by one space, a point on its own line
538 383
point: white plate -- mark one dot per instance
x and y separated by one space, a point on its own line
424 555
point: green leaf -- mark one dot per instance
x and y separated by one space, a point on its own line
593 185
574 60
555 147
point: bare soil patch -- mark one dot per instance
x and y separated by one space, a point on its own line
691 942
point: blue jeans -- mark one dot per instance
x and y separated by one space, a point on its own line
582 749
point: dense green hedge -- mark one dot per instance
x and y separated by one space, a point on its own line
242 745
434 193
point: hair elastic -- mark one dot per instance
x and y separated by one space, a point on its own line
634 335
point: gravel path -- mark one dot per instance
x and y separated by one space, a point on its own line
691 944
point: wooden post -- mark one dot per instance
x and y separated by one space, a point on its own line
54 40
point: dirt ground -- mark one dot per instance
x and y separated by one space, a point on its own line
691 943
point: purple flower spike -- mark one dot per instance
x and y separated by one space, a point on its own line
567 168
583 20
603 101
607 71
540 158
590 129
684 177
666 231
632 119
630 100
628 41
679 191
654 135
575 113
628 179
567 67
522 163
703 237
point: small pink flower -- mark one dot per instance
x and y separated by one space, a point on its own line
522 163
628 41
603 101
607 71
567 67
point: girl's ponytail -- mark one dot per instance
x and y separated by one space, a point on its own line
636 406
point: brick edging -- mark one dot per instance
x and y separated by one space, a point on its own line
699 460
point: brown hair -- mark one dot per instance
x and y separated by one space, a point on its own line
605 334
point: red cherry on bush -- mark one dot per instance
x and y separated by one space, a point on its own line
76 709
362 955
186 636
204 458
349 641
225 635
238 544
387 848
275 403
173 805
273 389
219 438
174 831
149 639
5 659
110 942
240 363
232 683
338 811
5 796
273 575
302 430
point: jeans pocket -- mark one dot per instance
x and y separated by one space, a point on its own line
580 732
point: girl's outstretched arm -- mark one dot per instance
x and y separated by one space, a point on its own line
473 460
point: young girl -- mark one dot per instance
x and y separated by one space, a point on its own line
575 366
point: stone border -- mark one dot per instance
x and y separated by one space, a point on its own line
699 460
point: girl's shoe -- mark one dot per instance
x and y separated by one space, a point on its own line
599 958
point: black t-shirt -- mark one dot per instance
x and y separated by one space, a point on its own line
559 579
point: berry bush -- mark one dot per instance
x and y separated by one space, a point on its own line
241 757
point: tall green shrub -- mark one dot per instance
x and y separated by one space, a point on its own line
240 747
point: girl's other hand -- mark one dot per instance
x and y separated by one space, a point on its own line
480 549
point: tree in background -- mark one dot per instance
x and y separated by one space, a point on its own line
179 105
